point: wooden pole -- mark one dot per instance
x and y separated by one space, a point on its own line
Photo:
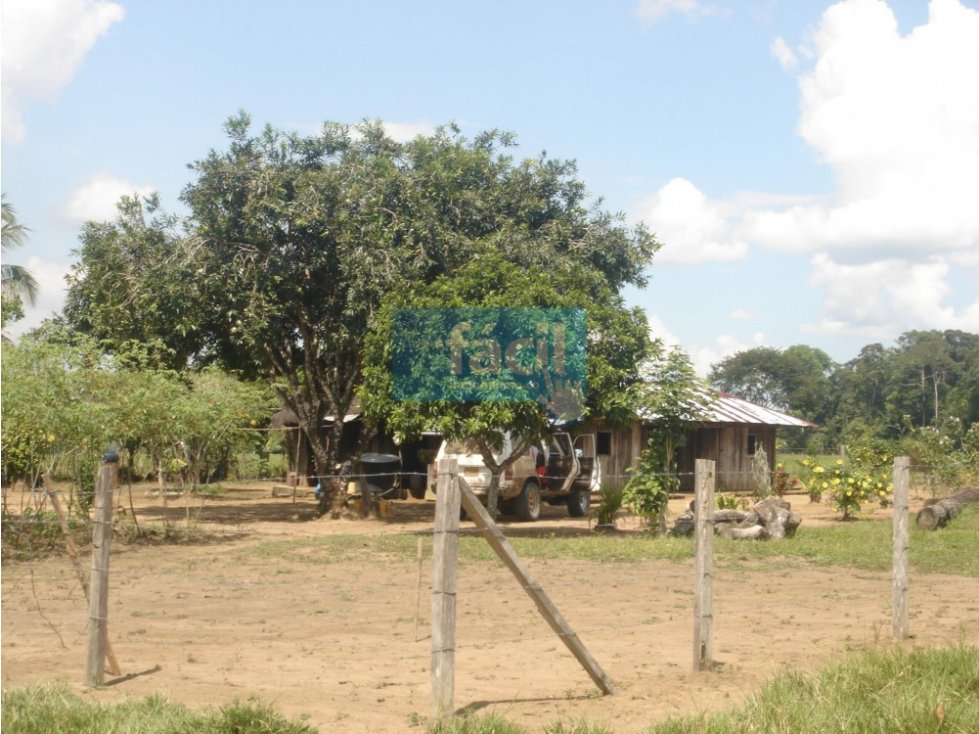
703 598
76 562
445 556
98 632
902 482
545 606
418 594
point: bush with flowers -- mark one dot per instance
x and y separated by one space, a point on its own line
865 477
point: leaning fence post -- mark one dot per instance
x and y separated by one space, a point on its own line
902 481
445 555
98 633
703 598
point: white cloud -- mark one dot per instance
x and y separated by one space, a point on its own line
897 119
403 132
97 198
702 356
784 54
879 299
51 289
741 314
651 11
44 44
692 228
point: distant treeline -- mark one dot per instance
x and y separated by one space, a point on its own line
928 379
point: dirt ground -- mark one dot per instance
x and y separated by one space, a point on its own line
208 624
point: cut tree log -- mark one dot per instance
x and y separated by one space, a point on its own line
938 512
755 532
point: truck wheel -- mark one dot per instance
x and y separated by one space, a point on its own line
527 504
578 502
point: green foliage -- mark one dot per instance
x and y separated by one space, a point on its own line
54 708
947 452
674 399
648 488
796 379
926 378
730 502
610 500
864 477
132 285
865 544
36 533
491 723
293 242
780 480
880 691
17 282
65 403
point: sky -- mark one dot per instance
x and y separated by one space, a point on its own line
811 167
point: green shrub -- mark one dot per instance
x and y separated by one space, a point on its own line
54 708
610 501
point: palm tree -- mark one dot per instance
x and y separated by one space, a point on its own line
17 280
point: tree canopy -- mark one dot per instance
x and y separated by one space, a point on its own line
17 282
294 241
926 378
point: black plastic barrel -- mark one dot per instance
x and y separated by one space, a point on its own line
380 471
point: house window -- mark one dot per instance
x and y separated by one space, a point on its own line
752 444
603 443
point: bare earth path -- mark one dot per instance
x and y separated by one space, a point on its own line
210 624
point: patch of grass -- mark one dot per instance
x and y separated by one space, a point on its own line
54 708
625 548
491 723
866 544
886 692
892 691
338 548
37 534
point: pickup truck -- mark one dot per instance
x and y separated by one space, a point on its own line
560 470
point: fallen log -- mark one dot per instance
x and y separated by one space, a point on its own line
755 532
938 512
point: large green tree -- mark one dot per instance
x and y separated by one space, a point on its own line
602 361
796 379
17 281
132 283
294 240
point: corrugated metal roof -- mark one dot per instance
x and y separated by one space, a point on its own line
729 409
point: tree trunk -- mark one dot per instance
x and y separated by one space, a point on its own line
493 493
938 512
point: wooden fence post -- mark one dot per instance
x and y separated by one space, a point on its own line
498 542
73 555
98 632
703 599
445 556
902 482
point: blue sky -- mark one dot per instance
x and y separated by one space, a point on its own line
811 167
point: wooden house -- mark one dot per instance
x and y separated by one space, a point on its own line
730 434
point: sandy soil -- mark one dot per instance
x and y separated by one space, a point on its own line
208 624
